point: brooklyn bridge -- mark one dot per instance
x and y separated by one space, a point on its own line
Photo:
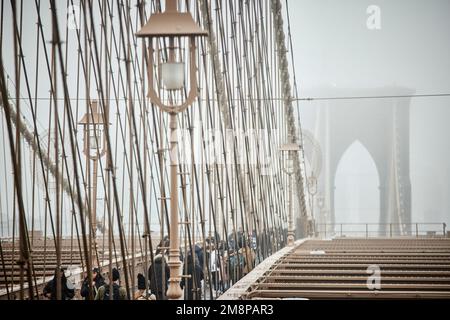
204 150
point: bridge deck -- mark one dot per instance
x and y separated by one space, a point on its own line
338 269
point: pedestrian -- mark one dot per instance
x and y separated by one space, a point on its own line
67 288
194 282
141 286
119 293
199 252
237 265
213 266
159 284
224 269
97 282
249 258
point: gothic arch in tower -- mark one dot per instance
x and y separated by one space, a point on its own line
382 126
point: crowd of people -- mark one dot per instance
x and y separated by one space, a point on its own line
209 269
101 289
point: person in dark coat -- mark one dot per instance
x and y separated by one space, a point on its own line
193 289
199 252
118 292
141 281
156 285
67 288
98 281
142 286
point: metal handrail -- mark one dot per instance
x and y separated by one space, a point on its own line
417 226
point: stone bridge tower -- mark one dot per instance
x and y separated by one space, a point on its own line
382 126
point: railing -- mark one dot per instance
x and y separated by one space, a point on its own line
74 274
324 230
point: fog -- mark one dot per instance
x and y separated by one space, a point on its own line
336 54
340 49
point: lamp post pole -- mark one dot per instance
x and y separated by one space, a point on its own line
174 290
93 123
312 190
321 219
290 149
174 26
291 230
95 262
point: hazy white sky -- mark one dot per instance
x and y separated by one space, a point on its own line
333 46
334 50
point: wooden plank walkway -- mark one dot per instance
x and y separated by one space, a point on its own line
409 268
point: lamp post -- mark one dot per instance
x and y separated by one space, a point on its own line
312 190
175 29
320 205
94 148
289 150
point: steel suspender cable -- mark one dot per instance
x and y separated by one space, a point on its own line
240 71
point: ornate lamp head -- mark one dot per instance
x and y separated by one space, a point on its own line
288 151
172 31
93 132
